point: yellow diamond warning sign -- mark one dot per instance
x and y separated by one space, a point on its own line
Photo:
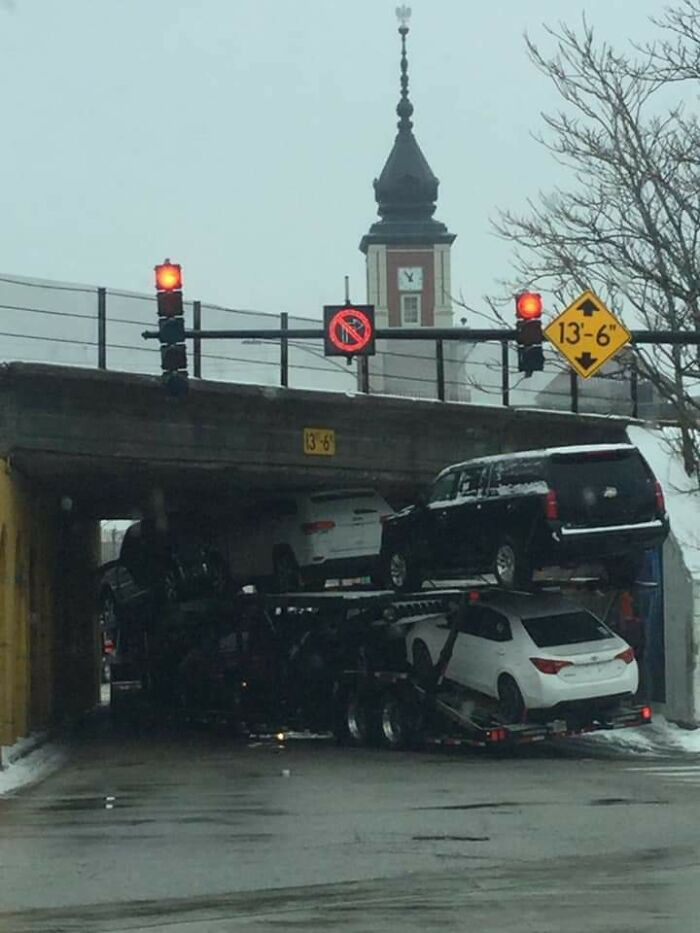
587 333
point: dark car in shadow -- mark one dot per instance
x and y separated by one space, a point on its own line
515 513
162 576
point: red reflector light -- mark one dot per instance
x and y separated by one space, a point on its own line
660 503
627 655
645 713
551 506
549 665
168 276
108 646
528 305
311 528
496 735
474 596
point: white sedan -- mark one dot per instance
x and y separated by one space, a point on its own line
530 652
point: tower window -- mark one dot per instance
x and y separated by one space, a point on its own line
410 309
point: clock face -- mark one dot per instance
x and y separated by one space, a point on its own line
411 278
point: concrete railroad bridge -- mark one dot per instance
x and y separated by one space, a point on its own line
106 443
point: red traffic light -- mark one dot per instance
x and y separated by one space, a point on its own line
528 305
168 276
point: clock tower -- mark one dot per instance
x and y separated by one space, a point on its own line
408 254
407 250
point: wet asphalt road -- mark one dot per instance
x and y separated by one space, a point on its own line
192 832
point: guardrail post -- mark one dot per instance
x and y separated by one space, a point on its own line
102 328
505 375
573 383
440 360
284 351
197 341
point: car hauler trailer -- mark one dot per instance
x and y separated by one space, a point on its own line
336 662
333 660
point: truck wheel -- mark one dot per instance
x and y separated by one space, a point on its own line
510 699
397 721
360 719
401 570
511 566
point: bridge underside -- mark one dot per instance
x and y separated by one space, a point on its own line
80 445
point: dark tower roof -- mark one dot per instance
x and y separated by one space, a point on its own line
407 189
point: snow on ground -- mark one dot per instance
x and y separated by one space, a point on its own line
659 738
659 446
34 766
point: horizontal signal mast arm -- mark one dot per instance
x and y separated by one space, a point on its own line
317 333
419 333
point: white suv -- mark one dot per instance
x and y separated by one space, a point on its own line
303 539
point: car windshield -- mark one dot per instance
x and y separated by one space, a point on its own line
566 628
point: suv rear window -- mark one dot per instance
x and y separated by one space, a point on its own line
622 468
566 628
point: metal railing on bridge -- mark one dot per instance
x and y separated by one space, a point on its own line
89 326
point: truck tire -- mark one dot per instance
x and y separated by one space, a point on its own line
398 720
360 719
511 566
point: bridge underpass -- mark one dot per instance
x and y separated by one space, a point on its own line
81 445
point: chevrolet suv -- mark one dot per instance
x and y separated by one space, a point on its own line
514 513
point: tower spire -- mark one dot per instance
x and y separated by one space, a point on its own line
406 190
404 108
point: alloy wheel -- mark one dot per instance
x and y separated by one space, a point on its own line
506 564
398 569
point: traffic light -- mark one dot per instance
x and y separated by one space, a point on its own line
348 330
528 313
171 328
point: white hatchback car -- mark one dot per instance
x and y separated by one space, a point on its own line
530 652
303 539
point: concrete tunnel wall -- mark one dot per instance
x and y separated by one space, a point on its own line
48 631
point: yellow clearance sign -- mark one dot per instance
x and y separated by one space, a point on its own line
587 334
319 442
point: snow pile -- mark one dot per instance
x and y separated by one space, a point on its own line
33 767
659 447
659 738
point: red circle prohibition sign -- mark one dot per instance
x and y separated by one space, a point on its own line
350 330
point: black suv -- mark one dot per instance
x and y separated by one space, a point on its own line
514 513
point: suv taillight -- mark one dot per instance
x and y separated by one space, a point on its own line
660 503
551 506
312 528
550 665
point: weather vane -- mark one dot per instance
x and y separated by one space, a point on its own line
403 14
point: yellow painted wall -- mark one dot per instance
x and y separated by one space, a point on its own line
48 634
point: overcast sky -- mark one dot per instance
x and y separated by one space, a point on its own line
241 137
